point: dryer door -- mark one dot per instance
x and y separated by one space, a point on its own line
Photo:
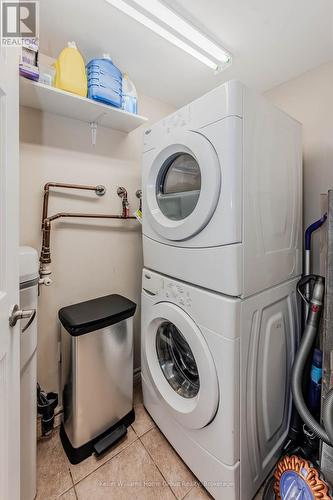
181 366
183 186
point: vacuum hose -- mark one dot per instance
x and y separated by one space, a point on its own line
311 328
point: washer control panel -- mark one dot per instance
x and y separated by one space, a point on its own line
177 293
165 288
151 283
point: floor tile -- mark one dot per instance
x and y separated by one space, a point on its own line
69 495
198 493
176 473
129 475
143 421
53 476
92 463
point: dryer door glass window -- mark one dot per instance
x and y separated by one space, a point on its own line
177 361
178 186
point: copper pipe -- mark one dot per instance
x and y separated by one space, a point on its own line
87 216
45 256
99 190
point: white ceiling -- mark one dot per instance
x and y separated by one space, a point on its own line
271 42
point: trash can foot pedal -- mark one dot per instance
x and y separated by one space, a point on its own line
106 442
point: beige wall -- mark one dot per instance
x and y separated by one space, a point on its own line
309 99
89 258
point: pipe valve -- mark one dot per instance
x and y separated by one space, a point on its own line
122 193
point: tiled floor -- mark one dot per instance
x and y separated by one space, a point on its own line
142 466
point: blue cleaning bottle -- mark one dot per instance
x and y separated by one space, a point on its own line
314 390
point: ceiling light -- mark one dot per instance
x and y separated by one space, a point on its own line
168 17
163 13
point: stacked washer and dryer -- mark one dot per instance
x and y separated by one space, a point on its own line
222 225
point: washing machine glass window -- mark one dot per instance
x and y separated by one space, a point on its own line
178 186
177 360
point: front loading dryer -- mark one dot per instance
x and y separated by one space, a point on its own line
215 378
222 193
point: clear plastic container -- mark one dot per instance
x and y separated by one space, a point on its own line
129 100
71 71
46 74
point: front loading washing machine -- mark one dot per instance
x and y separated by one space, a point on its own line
222 193
215 378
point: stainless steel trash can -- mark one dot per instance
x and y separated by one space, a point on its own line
96 374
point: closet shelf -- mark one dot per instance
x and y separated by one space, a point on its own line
39 96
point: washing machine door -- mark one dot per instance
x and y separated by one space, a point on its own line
181 366
183 186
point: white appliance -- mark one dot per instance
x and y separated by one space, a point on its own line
215 377
222 193
29 278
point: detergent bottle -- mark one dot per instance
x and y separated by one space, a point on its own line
71 71
104 81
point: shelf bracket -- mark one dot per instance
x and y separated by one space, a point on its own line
93 128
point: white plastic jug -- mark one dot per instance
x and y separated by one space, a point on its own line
129 100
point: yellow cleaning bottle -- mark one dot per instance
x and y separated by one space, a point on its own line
71 71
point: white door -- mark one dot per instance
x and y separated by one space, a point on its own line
181 365
182 186
9 276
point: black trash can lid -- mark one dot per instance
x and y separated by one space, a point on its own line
95 314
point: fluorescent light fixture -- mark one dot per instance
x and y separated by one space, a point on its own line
168 17
160 11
